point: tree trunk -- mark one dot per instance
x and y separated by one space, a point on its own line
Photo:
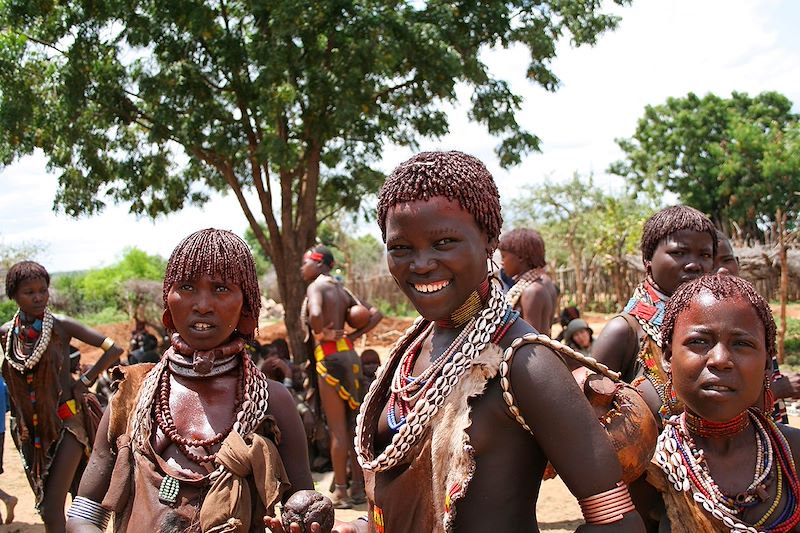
780 217
580 294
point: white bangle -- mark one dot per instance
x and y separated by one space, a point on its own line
107 344
86 381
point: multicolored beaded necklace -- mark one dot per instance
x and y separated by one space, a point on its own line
33 332
647 306
407 389
686 468
28 331
719 430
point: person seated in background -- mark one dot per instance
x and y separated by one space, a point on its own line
568 314
370 361
146 351
579 337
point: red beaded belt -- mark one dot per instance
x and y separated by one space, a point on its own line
324 349
67 409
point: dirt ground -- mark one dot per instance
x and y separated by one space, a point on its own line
557 509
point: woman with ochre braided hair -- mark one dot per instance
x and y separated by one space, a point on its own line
454 434
533 293
723 465
678 245
52 412
200 441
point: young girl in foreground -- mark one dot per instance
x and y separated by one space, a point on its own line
200 441
724 465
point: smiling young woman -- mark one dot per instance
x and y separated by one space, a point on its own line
722 465
441 435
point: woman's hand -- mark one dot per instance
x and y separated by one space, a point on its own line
275 525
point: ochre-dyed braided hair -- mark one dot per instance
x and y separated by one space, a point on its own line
215 252
670 220
23 271
525 243
454 175
720 286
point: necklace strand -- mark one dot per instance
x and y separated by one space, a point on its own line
18 360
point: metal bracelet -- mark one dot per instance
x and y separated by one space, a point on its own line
107 344
89 510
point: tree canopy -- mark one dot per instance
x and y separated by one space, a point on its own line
160 104
584 227
734 159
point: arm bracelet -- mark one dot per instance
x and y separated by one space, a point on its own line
607 507
89 510
107 344
86 381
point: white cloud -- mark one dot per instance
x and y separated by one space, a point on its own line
661 49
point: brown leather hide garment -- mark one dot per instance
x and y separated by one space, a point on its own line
133 493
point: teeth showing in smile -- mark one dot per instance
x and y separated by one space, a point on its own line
431 287
202 326
720 388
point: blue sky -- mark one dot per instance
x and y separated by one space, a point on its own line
661 49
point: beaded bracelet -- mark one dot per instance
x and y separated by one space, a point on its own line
607 507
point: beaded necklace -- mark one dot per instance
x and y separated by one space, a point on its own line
720 430
406 389
16 356
252 412
647 306
491 319
522 282
167 423
686 469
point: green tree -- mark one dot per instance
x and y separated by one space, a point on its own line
711 152
292 100
585 228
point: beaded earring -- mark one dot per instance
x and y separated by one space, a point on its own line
769 396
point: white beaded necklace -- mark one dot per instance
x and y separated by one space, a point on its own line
429 404
21 362
524 281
